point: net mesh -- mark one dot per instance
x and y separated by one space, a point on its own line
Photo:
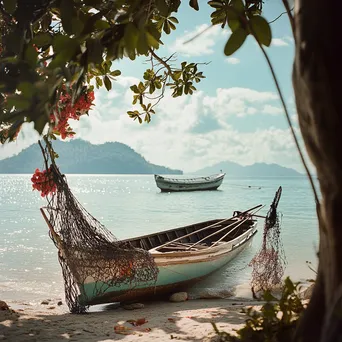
268 265
88 252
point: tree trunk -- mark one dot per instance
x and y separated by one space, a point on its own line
317 78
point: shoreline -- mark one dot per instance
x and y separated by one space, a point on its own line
184 321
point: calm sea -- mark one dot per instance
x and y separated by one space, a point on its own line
131 205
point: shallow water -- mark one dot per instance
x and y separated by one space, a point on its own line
131 205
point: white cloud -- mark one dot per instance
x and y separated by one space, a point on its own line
187 132
279 42
205 38
272 110
232 60
26 137
289 39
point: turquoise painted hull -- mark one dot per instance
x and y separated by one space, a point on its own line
171 277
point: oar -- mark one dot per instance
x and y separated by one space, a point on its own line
222 229
206 237
216 242
205 228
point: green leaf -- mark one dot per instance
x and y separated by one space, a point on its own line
77 26
40 123
42 39
99 82
173 19
31 56
194 4
261 30
172 26
142 46
152 88
135 99
10 5
234 21
155 33
151 41
238 5
67 14
115 73
27 89
65 48
94 51
17 101
162 7
107 83
14 41
141 87
135 89
101 25
176 75
215 4
235 41
61 42
131 37
166 27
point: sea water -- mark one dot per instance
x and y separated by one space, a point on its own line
132 205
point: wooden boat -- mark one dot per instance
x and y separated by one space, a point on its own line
189 184
183 256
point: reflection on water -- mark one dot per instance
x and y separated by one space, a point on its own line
132 205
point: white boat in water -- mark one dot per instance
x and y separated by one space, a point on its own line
189 184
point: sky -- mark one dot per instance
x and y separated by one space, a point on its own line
234 115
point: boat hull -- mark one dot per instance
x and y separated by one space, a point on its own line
177 271
167 186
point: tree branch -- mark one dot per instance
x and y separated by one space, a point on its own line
289 14
44 156
161 61
272 21
289 121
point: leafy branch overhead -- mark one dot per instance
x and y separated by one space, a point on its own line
56 50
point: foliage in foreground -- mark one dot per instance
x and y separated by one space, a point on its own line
276 320
52 49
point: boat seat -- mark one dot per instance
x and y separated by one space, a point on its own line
184 246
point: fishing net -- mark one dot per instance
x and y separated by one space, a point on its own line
269 263
88 252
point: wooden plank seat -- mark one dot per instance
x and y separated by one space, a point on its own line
184 246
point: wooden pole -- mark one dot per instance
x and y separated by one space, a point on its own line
216 242
218 231
224 228
52 231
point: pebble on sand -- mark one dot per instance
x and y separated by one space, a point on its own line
133 306
179 297
3 305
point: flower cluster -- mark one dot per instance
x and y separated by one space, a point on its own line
67 110
43 181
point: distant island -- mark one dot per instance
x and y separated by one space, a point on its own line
254 170
81 157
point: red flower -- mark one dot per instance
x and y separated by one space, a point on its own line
66 110
43 181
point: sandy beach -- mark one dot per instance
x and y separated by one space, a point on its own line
184 321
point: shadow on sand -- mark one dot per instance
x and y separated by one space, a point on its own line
186 321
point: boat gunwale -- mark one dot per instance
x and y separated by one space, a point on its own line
183 227
211 253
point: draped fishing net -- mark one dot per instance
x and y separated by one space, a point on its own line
87 251
269 263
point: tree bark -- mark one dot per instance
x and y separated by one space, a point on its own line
317 78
